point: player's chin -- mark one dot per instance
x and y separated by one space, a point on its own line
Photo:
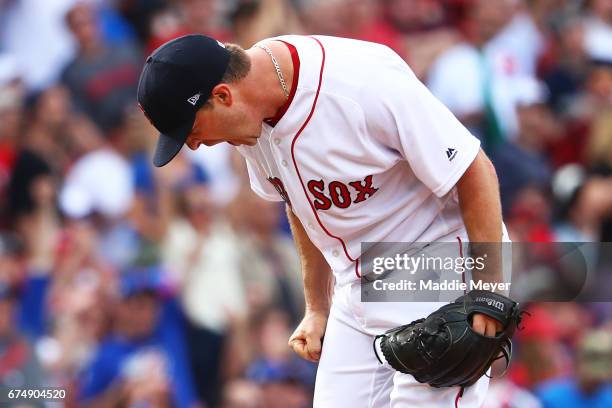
251 141
247 141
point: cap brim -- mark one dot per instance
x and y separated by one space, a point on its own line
170 143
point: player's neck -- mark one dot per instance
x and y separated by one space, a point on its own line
262 82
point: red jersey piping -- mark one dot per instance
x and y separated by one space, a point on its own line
461 256
458 397
297 135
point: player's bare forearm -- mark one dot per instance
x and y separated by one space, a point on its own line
307 339
480 204
315 269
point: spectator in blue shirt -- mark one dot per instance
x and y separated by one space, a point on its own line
592 386
143 361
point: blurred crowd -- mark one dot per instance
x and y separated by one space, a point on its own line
178 287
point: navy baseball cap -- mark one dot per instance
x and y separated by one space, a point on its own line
176 81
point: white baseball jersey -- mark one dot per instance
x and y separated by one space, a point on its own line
363 153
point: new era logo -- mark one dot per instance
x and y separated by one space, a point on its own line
451 153
194 99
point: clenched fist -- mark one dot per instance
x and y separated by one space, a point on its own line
307 338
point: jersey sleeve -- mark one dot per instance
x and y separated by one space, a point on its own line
259 183
407 118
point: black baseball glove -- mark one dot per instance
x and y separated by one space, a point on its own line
443 350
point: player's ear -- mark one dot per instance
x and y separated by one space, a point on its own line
222 94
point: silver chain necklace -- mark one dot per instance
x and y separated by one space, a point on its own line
281 79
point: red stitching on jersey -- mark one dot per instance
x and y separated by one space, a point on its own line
460 393
461 255
298 171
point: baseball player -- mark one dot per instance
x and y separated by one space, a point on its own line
359 150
